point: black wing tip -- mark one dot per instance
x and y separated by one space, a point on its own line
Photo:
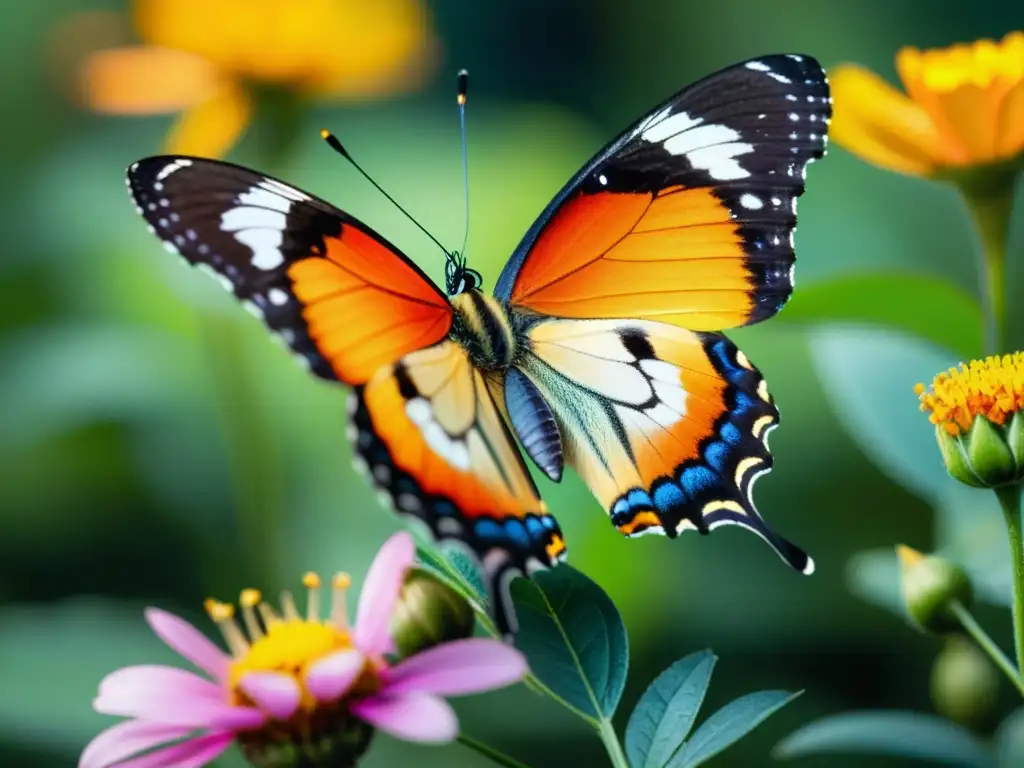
793 555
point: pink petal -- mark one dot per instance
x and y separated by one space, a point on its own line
329 678
126 739
276 694
410 716
173 697
193 753
380 592
189 642
463 666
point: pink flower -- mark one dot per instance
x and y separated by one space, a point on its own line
290 678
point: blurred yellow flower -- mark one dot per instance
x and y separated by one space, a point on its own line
964 106
201 58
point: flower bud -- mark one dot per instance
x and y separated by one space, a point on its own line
428 613
930 585
984 456
339 742
964 685
979 427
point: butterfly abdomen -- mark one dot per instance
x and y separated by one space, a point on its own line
481 326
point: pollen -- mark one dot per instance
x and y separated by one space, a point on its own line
992 388
286 643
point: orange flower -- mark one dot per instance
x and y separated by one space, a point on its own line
964 106
978 413
201 58
992 388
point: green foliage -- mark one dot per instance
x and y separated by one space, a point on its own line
898 733
656 736
665 713
574 639
730 724
927 307
868 376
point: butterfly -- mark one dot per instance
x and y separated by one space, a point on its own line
600 347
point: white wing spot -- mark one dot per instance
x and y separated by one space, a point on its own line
751 202
277 297
664 125
720 161
171 167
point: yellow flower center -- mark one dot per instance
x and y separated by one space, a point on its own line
993 388
981 63
287 644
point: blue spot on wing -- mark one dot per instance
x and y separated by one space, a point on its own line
716 455
697 479
668 496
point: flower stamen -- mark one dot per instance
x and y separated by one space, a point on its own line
993 388
249 599
339 605
311 582
223 615
288 608
268 615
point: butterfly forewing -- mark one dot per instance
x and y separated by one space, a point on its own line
342 297
688 217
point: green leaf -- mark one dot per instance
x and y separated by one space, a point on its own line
573 638
665 713
868 377
925 306
894 732
730 724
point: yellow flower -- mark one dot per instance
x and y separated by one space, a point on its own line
976 410
993 388
202 59
964 106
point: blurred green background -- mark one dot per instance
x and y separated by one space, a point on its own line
158 449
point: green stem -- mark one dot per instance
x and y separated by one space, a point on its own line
990 210
612 745
489 752
254 463
1009 500
987 644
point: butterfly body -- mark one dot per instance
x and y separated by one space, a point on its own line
482 325
601 348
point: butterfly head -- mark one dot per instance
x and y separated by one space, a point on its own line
459 278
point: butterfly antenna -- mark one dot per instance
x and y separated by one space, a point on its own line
333 143
463 85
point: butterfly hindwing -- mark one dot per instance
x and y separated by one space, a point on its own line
687 218
336 292
434 440
668 427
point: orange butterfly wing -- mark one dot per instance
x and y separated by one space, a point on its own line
339 295
688 217
431 437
